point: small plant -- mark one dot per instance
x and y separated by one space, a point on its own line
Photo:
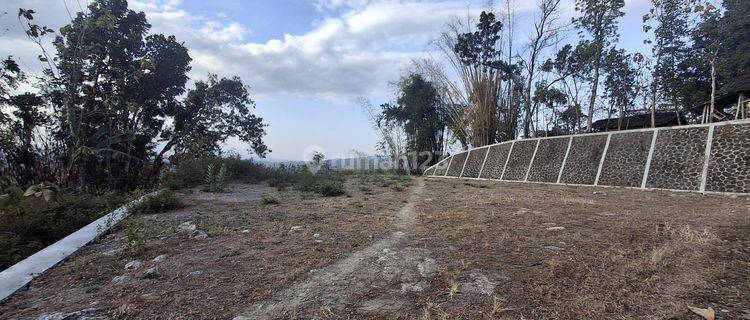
267 200
331 188
136 236
162 202
216 179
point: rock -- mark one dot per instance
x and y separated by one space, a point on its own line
413 287
133 265
556 228
246 231
606 214
160 258
194 274
150 296
111 253
187 226
152 273
296 228
317 235
599 193
199 234
480 284
521 211
120 279
553 248
52 316
427 268
318 241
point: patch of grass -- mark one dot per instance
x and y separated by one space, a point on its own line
28 224
162 202
330 188
268 200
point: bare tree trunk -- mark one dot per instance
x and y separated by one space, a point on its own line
713 91
594 88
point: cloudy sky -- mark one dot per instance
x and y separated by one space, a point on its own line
306 61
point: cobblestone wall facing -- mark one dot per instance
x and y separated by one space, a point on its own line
625 159
678 157
729 164
493 167
474 163
551 153
458 164
520 156
677 162
583 159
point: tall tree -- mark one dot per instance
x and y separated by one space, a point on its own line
115 86
620 82
668 20
418 109
215 110
598 19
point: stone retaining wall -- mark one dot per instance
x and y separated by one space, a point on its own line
704 158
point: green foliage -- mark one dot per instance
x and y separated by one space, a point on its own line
268 200
420 111
189 172
162 202
28 224
215 179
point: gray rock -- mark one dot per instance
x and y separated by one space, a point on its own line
152 273
194 274
427 268
160 258
199 234
480 284
133 265
317 235
556 228
150 296
246 231
52 316
120 279
413 287
296 228
187 226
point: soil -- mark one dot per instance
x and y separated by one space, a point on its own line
406 249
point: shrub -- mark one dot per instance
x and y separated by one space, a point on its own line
330 188
216 179
162 202
28 224
269 200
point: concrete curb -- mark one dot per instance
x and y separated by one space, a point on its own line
20 274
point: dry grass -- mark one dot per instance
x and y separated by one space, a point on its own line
623 253
250 253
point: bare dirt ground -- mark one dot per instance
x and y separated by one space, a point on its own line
558 252
439 249
221 253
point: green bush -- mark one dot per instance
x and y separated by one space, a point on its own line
330 188
188 172
28 224
269 200
161 202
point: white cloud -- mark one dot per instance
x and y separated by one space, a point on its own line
355 53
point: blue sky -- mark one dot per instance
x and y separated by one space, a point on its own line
307 61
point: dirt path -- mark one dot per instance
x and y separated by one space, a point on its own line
369 281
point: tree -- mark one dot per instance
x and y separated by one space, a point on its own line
599 20
114 87
215 110
668 20
620 82
418 109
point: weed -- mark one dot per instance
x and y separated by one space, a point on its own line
216 179
161 202
268 200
